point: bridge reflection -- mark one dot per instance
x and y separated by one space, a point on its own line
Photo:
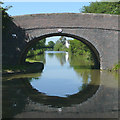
19 97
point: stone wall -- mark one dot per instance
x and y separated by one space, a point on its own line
98 31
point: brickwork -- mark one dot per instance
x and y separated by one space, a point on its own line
98 31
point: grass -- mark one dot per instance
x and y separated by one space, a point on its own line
116 67
31 61
35 52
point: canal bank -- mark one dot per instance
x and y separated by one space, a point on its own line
28 67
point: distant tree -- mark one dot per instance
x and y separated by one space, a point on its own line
102 7
79 48
62 39
60 44
5 17
39 44
37 48
51 44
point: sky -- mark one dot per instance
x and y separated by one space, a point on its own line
22 8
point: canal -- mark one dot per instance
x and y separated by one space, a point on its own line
68 86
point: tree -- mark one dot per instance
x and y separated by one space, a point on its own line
39 44
102 7
78 48
5 17
62 40
60 44
51 44
37 48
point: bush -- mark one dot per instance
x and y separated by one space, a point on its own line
116 67
102 7
79 48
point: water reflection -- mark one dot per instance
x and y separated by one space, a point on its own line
51 55
57 77
14 97
61 57
40 58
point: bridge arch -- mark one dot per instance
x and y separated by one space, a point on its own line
94 50
98 31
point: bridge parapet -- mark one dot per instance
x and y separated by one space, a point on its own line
68 20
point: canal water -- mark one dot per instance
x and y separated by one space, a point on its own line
59 78
65 81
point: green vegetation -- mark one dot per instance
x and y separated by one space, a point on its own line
5 17
116 67
78 48
37 48
30 60
60 47
17 76
61 58
60 44
51 44
102 7
39 44
36 58
35 52
80 62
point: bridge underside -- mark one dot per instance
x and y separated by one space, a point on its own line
36 39
105 49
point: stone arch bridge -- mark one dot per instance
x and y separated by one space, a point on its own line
98 31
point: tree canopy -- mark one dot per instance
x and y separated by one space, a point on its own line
60 44
51 44
102 7
5 17
39 44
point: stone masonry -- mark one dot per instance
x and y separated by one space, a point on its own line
98 31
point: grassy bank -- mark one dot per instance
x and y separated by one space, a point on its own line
35 52
116 67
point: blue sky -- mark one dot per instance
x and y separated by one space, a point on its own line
21 8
